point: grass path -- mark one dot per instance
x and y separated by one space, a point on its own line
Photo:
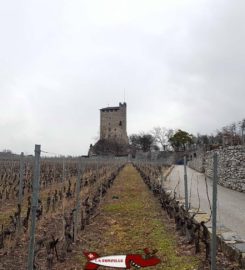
130 220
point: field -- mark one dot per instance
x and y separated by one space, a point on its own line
100 206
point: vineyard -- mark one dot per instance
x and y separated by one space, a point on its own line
70 192
52 209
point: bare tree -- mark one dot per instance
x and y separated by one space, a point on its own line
230 134
162 136
97 137
242 127
142 141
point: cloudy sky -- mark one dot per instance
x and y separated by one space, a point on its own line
181 63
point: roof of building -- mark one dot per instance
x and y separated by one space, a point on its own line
114 108
110 108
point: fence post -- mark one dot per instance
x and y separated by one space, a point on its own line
34 206
243 127
97 178
63 207
214 212
63 171
21 188
186 184
54 173
78 188
97 169
161 175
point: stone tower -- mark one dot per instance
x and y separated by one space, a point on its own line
113 124
113 132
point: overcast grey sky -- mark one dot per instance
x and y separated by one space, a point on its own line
182 63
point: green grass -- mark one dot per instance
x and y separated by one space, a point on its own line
136 222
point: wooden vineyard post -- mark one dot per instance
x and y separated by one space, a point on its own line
20 190
34 206
186 184
77 206
214 213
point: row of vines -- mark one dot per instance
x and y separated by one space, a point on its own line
194 231
70 193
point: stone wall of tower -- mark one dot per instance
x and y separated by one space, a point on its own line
113 124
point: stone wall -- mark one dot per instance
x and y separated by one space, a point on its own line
113 124
113 133
231 166
196 161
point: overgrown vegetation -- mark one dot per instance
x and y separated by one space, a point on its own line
162 138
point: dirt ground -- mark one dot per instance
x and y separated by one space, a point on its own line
130 220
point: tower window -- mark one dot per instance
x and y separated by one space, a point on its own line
120 123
